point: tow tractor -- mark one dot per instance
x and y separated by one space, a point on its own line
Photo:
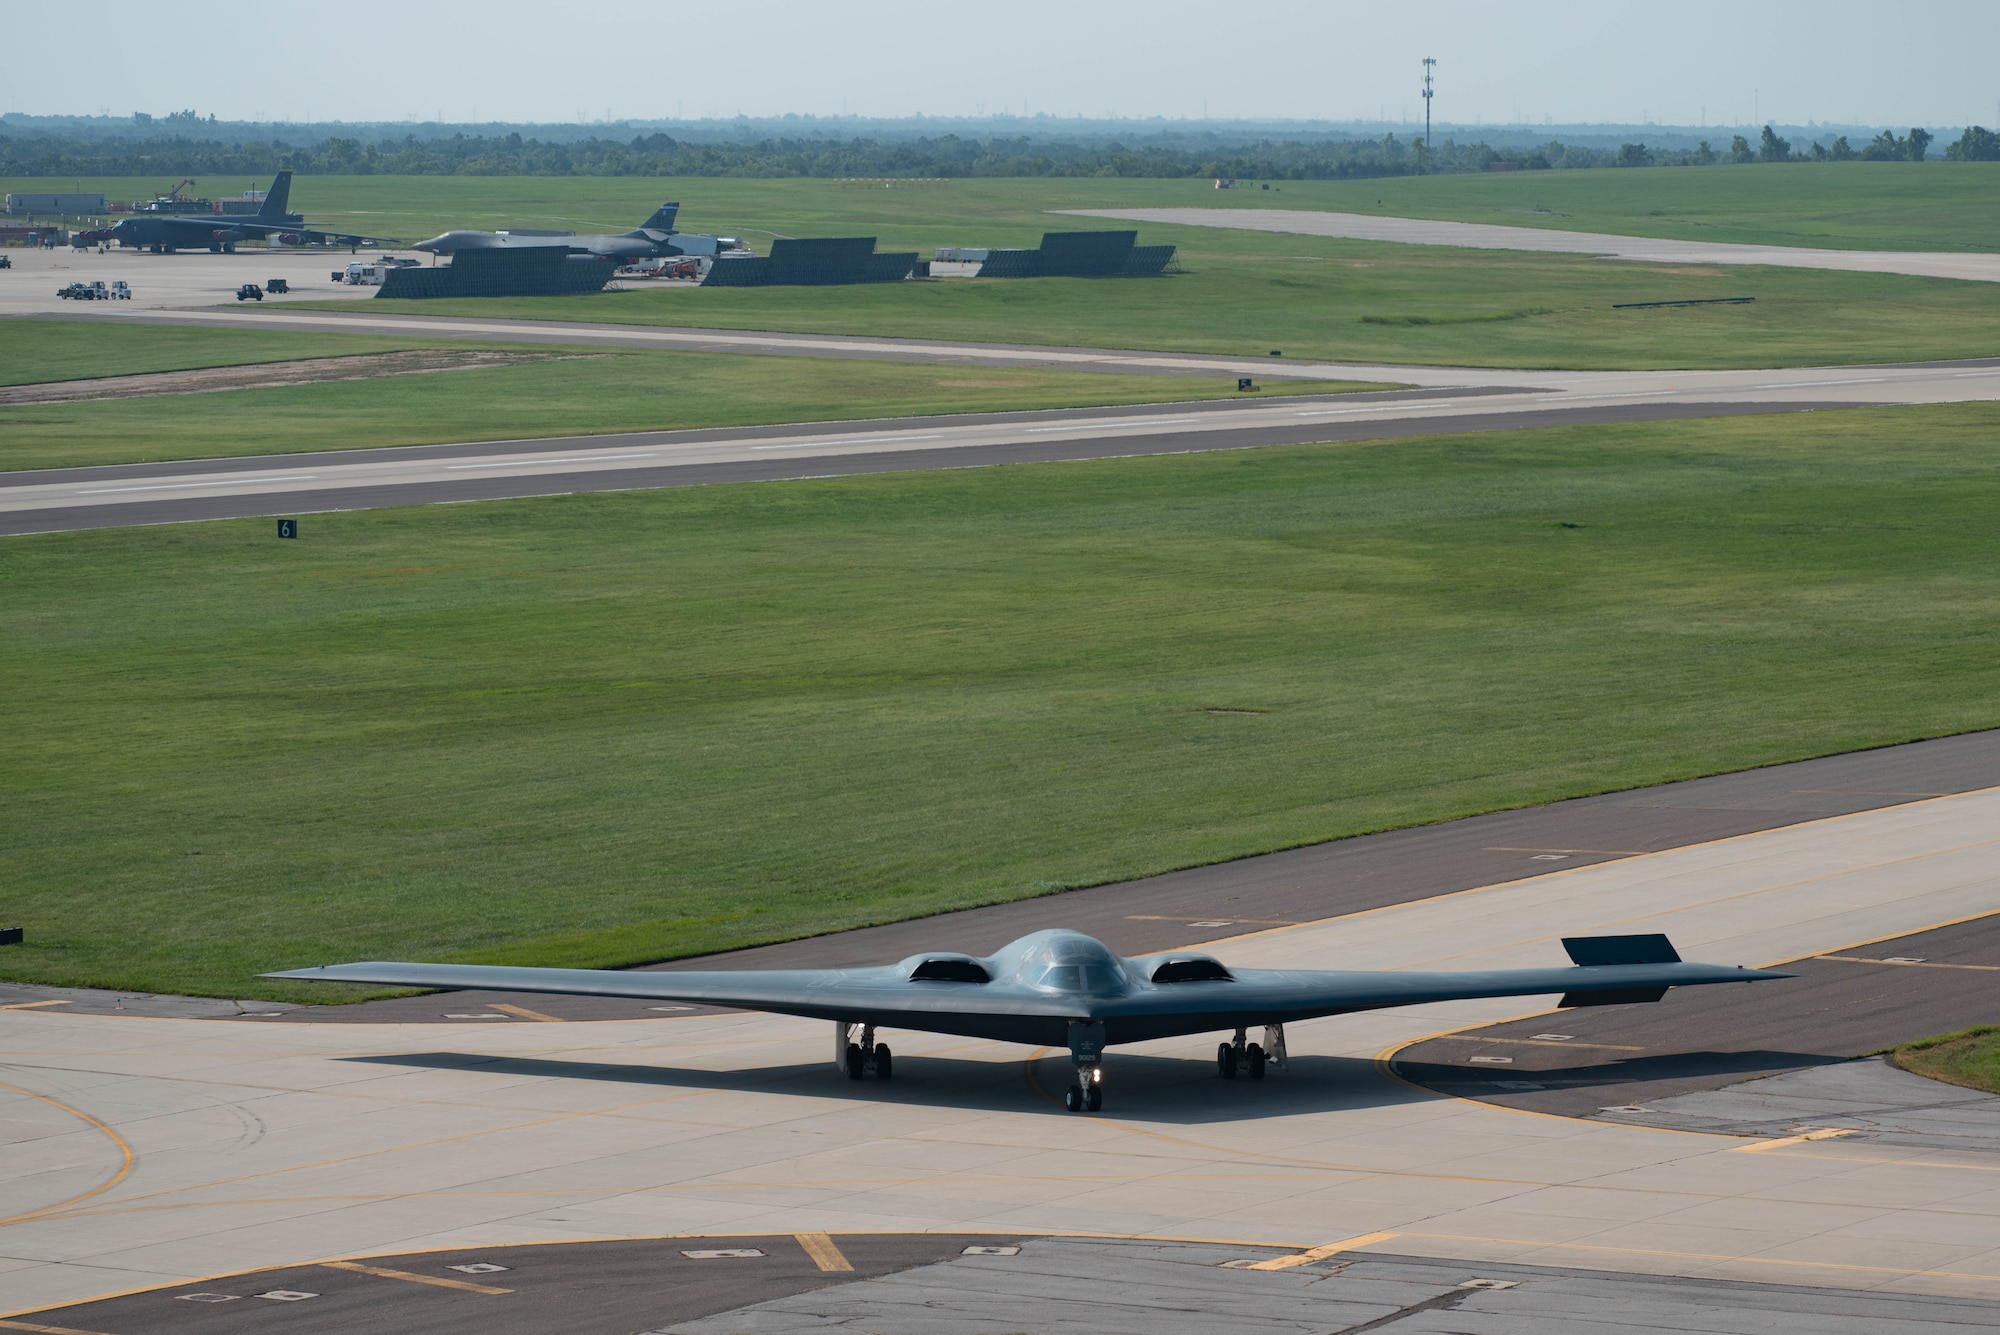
249 292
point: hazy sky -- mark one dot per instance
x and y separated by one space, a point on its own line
1682 63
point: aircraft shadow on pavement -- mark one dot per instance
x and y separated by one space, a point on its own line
1651 1069
1179 1090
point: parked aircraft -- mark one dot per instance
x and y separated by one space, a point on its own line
219 232
651 239
1058 988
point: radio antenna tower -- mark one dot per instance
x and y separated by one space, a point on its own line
1428 63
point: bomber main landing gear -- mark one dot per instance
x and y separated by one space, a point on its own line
856 1052
1251 1058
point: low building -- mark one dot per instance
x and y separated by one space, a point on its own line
56 206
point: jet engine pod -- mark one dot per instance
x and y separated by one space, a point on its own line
946 969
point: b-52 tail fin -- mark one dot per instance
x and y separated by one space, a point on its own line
279 198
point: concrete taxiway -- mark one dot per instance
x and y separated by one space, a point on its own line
168 1150
1969 267
167 282
61 499
940 1285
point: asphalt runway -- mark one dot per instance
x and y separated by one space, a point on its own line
53 500
1963 266
932 1285
1842 1005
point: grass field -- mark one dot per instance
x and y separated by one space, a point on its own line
1831 206
1859 205
1246 293
610 728
614 390
1970 1058
34 351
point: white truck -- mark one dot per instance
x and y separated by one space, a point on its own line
372 273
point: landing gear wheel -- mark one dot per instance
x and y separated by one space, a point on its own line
883 1069
1256 1055
1225 1061
1093 1098
854 1062
1073 1099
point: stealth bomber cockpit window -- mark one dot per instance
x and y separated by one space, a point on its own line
1079 978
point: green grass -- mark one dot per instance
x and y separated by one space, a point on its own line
603 392
1864 205
35 351
1247 293
610 728
1313 297
1939 206
1970 1058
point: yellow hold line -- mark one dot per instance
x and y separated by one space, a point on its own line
1321 1253
824 1253
412 1277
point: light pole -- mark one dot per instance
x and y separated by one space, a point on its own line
1428 63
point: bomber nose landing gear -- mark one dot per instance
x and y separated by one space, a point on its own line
1087 1094
1086 1050
856 1052
1251 1058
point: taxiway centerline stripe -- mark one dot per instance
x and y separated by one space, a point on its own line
116 1139
46 1330
1312 1254
524 1012
182 486
545 462
1605 852
412 1277
824 1253
31 1005
845 440
1817 1133
1910 964
1089 425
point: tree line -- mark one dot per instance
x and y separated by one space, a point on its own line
944 156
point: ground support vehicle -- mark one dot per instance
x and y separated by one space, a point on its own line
249 292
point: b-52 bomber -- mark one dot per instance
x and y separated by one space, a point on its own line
1061 988
170 232
654 238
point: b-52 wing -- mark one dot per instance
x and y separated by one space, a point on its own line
1060 988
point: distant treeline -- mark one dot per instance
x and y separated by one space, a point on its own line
945 156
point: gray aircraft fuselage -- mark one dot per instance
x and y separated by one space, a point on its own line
653 239
1060 988
170 232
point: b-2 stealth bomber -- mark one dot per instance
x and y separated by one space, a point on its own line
1061 988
